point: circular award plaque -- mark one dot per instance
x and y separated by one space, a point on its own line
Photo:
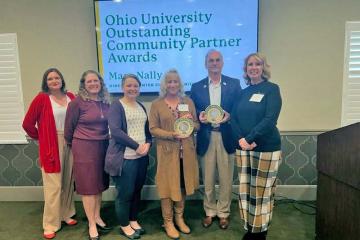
184 127
214 113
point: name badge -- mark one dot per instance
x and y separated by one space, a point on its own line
256 97
183 107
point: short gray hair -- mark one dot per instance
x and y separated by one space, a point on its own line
210 52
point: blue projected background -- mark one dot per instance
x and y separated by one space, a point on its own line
147 38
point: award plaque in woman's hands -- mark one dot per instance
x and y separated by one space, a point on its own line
184 127
214 114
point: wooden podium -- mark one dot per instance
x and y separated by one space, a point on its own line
338 189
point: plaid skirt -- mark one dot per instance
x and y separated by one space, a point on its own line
257 176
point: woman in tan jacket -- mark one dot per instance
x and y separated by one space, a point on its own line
177 168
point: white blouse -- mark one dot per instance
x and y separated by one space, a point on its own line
59 113
135 121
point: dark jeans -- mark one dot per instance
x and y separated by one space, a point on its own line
128 187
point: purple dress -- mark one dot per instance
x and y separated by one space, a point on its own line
86 129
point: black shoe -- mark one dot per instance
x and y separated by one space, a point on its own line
247 236
135 235
263 235
104 228
140 231
255 236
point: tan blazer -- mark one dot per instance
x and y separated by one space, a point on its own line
161 122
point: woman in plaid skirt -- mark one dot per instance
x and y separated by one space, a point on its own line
258 142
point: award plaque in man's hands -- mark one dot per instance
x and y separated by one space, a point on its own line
184 127
214 114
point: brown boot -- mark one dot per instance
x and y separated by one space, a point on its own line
168 214
179 216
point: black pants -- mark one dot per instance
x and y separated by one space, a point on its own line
128 187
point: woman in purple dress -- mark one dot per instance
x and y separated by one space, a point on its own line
86 130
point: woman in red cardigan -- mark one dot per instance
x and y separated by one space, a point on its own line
44 122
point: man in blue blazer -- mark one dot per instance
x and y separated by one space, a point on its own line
215 146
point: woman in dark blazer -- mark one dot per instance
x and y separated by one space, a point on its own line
258 142
127 156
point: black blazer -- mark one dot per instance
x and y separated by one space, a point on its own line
200 95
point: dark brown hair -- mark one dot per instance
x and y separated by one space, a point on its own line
44 85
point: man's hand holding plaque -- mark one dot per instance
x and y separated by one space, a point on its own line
214 114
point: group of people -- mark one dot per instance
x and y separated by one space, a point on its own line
76 146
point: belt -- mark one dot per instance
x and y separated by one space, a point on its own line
215 129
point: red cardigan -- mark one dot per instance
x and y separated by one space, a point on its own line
39 123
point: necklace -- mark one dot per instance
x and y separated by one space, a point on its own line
101 111
173 105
